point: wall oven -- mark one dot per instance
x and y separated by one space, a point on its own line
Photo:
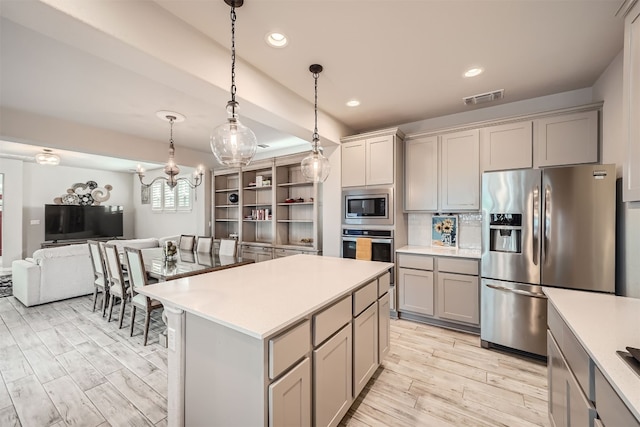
371 206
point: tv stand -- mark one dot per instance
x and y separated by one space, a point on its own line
57 243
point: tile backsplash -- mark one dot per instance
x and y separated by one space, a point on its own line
469 230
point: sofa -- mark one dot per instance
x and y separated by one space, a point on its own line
57 273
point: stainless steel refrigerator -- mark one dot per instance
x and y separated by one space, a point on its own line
542 227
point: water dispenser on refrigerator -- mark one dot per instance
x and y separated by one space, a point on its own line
505 233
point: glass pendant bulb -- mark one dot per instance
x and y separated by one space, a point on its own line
232 143
315 167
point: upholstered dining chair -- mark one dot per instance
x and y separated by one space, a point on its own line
187 242
138 279
204 245
118 286
228 247
101 279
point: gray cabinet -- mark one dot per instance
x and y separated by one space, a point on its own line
333 378
631 103
415 291
460 171
255 252
365 347
458 298
508 146
290 397
384 341
370 159
611 410
566 139
421 174
353 164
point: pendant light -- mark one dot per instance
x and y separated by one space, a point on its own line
316 167
233 144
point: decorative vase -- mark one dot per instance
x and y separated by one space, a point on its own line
170 251
446 239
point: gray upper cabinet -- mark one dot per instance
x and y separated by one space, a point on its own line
504 147
370 159
631 104
566 139
353 164
421 174
460 171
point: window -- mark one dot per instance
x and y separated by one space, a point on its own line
164 198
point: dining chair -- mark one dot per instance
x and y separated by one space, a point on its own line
118 286
228 247
138 278
101 280
204 244
187 242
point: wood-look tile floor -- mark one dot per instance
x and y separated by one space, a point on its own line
63 365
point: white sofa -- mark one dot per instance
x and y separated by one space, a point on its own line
54 274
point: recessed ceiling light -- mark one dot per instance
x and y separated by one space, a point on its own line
276 39
353 103
472 72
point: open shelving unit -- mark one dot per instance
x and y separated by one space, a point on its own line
225 212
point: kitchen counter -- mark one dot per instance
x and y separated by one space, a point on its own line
603 324
440 251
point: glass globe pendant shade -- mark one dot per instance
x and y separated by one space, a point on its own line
233 144
315 167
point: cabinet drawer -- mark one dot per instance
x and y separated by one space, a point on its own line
288 348
420 262
330 320
611 409
364 297
384 283
579 361
460 266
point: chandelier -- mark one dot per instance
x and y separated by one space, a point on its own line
47 158
316 167
233 144
171 169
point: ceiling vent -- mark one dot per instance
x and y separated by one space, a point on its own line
484 97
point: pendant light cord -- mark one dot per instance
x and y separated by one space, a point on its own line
233 59
316 137
171 149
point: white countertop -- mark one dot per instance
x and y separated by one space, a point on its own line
603 324
262 298
440 251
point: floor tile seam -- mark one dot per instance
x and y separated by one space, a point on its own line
124 397
507 415
454 408
133 388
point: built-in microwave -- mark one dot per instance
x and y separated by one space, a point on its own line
367 206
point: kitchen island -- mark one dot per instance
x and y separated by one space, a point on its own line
252 345
587 376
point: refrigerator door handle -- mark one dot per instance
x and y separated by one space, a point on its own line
518 291
547 221
536 209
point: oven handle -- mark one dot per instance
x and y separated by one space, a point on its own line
518 291
373 239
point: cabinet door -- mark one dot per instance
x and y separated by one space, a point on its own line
380 160
567 139
460 171
332 373
557 372
459 298
290 397
415 291
384 323
365 347
353 164
507 147
631 105
264 254
421 174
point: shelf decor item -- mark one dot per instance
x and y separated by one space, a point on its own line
316 167
444 231
232 143
170 251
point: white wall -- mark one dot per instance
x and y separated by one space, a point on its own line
331 205
41 184
12 229
150 223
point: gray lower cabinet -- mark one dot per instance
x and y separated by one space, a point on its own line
458 298
384 342
290 397
333 379
415 291
365 347
256 253
611 410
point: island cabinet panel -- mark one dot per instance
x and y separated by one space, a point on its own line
288 348
384 284
333 378
290 397
365 347
384 323
611 410
507 146
330 320
364 297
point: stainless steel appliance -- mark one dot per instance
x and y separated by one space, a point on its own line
627 246
551 227
370 206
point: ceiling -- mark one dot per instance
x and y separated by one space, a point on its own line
112 65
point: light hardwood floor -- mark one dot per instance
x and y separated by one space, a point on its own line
63 365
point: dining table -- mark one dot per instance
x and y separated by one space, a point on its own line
187 263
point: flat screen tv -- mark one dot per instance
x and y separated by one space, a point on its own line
70 222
